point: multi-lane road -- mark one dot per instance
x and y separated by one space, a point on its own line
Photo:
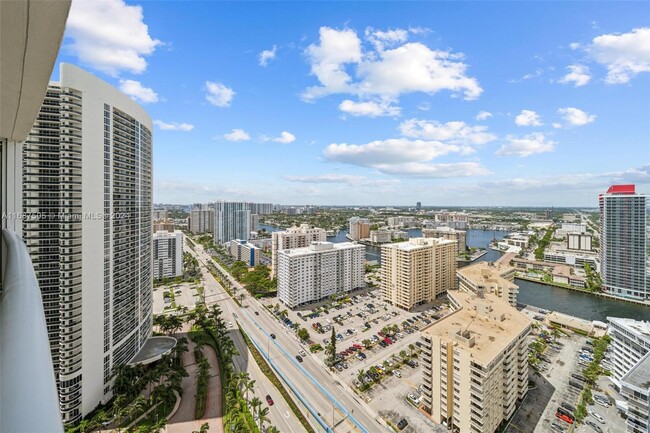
327 403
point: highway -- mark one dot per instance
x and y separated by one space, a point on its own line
333 406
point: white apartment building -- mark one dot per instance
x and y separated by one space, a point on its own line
293 237
475 363
307 275
167 254
255 222
636 390
232 220
245 251
201 220
623 243
386 236
261 208
87 175
572 258
417 271
579 241
359 228
567 228
630 343
458 236
402 221
489 277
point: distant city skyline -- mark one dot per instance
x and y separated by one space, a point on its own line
547 111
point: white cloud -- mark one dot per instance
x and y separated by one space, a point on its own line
137 91
578 75
575 116
451 132
483 115
424 106
369 108
557 125
574 45
218 94
267 55
173 126
418 169
285 138
341 66
334 178
528 118
237 135
624 55
526 145
109 36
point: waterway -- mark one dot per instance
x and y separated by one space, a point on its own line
542 296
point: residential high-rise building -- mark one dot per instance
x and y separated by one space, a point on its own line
630 343
458 236
232 220
255 222
475 363
201 219
578 241
417 271
489 277
623 243
293 237
244 251
261 208
418 206
166 225
167 254
159 214
87 172
359 228
307 275
636 390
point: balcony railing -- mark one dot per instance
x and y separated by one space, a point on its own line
28 396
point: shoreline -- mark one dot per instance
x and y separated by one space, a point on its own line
575 289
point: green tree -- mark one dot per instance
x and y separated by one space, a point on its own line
204 428
303 334
331 347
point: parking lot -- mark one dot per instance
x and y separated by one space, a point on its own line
185 294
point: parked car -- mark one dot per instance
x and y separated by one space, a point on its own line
594 426
564 417
401 425
302 353
269 400
568 406
397 373
598 417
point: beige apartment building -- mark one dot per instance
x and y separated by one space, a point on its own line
459 236
475 363
359 228
417 271
293 237
163 225
490 277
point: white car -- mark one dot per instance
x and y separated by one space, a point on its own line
303 353
396 373
230 324
598 417
601 402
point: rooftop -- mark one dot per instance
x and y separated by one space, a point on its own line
316 247
418 243
491 322
639 375
637 326
484 272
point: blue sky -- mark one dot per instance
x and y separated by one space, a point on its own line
450 104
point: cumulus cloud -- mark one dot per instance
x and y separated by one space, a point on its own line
578 75
285 138
173 126
528 118
575 116
137 91
218 94
624 55
237 135
483 115
334 178
418 169
369 108
392 66
109 36
266 56
451 132
526 145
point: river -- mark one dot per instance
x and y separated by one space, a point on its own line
542 296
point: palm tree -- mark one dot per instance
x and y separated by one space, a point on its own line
412 348
242 378
262 416
204 428
272 429
248 386
255 405
361 375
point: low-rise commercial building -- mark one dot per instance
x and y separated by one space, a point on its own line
475 363
293 237
572 258
489 277
307 275
458 236
417 271
167 254
244 251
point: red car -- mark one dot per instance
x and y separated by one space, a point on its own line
564 417
381 334
269 400
387 340
358 346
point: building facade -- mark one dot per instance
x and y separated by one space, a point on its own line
307 275
293 237
489 277
385 236
578 241
458 236
623 243
636 390
475 363
167 254
630 343
87 173
402 221
201 220
417 271
359 228
245 251
165 225
232 220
